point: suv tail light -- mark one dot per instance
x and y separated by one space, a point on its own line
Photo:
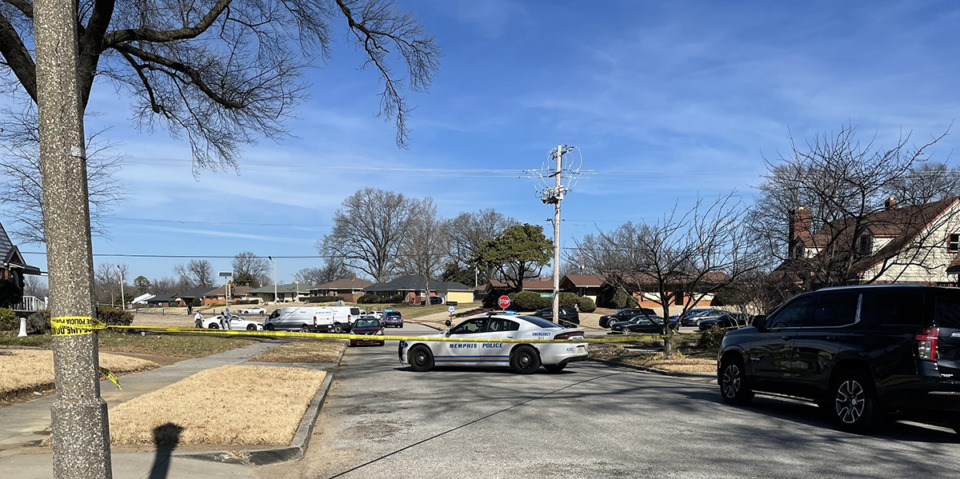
927 344
314 320
570 335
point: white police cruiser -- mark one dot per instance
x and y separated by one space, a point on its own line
236 323
524 358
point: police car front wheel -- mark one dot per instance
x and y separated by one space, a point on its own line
421 359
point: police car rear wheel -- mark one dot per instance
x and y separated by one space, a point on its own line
251 327
213 326
524 360
421 359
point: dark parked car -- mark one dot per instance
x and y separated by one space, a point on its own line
623 315
367 325
694 317
725 320
859 352
433 300
640 324
568 316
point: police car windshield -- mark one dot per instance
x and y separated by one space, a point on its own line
543 323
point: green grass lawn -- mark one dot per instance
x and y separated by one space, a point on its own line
172 345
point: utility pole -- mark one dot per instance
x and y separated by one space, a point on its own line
79 427
123 303
552 190
556 237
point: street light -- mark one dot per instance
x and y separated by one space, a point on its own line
123 305
274 277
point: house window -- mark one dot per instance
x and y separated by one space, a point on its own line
953 244
679 297
865 245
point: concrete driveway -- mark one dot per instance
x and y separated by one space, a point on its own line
593 420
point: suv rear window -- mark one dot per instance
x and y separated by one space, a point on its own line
393 313
947 311
892 307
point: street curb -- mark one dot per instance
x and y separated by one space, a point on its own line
261 457
663 372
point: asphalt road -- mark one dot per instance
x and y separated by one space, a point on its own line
593 420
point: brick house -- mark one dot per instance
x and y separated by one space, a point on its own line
350 289
13 267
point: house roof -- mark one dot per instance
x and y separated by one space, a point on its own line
11 256
162 298
584 280
413 282
346 283
283 288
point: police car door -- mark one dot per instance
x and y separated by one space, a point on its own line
461 353
496 352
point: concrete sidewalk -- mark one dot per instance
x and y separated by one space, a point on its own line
23 426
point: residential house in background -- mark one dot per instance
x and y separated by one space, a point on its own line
583 285
350 289
190 296
13 268
285 293
218 295
908 244
411 287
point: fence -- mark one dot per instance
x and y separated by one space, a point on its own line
30 304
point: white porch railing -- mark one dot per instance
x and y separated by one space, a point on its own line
30 304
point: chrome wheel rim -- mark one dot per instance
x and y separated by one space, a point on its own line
850 401
731 380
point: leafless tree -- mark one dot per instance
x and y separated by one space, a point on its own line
106 279
248 269
468 232
848 190
426 244
195 274
368 231
678 260
224 72
331 271
164 286
20 176
34 286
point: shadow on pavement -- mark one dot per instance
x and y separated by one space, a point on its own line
166 437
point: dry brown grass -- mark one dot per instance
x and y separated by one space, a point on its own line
306 351
677 362
229 405
30 369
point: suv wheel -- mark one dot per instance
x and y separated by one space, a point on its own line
854 402
733 383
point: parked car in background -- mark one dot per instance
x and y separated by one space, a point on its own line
253 310
523 358
433 300
725 320
694 317
623 315
367 326
860 352
569 317
236 323
640 324
391 318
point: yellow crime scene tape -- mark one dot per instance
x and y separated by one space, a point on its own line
368 337
79 326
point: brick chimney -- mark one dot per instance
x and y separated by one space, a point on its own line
801 220
890 204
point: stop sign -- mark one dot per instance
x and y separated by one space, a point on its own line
504 301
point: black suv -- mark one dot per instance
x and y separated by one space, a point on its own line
624 315
859 352
569 317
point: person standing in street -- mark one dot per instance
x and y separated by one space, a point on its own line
198 320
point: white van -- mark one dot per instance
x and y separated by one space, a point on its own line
304 319
344 316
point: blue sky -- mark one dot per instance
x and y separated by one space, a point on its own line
666 101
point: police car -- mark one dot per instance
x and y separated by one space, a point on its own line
236 323
524 358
